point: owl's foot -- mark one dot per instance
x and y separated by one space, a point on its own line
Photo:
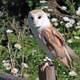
44 66
47 63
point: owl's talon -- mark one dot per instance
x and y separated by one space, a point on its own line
44 66
47 63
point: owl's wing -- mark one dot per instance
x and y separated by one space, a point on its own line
58 35
55 41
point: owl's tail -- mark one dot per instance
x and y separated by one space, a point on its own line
71 56
71 53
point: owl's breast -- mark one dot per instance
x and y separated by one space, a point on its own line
42 43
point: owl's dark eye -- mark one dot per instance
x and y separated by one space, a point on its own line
32 18
39 17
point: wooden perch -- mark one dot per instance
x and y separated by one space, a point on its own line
6 76
55 5
48 73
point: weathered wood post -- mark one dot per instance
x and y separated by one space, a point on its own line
6 76
48 74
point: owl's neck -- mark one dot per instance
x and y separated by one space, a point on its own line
44 27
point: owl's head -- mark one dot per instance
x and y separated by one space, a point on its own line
38 19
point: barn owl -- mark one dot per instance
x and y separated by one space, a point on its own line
50 39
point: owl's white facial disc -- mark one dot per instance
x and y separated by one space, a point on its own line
38 19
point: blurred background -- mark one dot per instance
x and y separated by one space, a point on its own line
19 52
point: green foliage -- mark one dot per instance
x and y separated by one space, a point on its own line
71 6
13 17
30 3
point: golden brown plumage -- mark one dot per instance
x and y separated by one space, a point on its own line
54 41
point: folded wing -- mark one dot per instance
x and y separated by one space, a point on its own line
55 41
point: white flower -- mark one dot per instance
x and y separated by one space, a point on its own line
13 3
63 7
59 64
54 20
37 78
78 8
64 73
31 36
61 22
55 24
77 27
78 11
18 46
72 73
58 29
69 41
62 34
4 2
9 31
72 21
3 61
69 21
14 71
76 37
24 65
68 25
1 13
66 18
7 66
50 10
78 23
46 58
34 50
42 1
46 7
6 61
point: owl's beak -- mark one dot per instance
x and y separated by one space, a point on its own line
37 27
